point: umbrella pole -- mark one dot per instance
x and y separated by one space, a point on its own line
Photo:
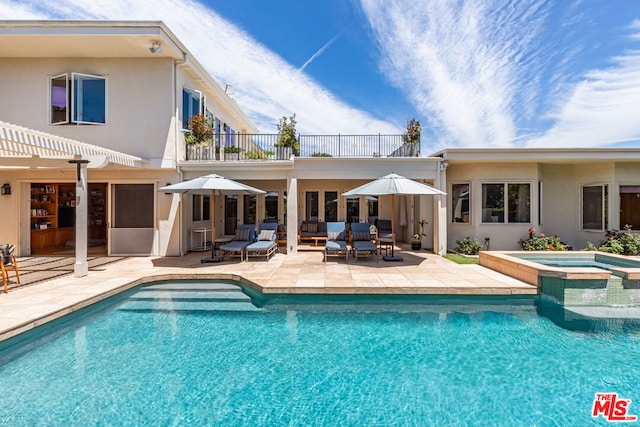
213 257
393 256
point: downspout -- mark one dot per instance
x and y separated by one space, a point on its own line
176 139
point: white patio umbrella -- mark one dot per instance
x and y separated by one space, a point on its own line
393 184
218 185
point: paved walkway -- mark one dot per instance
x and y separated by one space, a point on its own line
42 299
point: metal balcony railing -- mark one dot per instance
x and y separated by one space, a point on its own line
240 147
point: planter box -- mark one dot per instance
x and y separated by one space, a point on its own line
284 153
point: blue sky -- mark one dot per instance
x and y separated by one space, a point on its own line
476 73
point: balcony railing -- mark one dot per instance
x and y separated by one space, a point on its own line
263 147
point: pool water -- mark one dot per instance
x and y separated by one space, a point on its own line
193 353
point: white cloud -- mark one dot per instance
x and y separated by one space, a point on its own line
265 86
458 60
603 109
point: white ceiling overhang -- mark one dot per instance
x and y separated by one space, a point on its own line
24 147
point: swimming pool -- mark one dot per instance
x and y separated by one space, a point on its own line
196 353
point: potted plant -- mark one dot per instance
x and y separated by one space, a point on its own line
416 244
232 152
287 142
200 130
411 137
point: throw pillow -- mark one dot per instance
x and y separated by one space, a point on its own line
242 234
266 235
361 235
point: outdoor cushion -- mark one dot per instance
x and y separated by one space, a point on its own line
336 245
312 227
242 234
361 235
266 235
335 235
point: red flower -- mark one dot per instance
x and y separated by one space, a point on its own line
551 247
542 235
532 230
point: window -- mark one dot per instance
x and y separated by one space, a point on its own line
372 209
594 207
271 206
87 97
330 206
133 205
191 106
249 213
311 206
353 209
230 214
506 201
460 203
201 207
59 93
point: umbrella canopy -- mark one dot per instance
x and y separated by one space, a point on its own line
217 184
393 184
212 182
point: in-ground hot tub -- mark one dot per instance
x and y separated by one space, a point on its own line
573 278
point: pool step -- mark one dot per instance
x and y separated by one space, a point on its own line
189 297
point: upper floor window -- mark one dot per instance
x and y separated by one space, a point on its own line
191 105
594 207
504 201
82 100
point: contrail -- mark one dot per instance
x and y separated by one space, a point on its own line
320 51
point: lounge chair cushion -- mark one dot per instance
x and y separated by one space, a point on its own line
336 245
335 235
242 234
260 245
266 235
358 236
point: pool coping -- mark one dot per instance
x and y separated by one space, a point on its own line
530 271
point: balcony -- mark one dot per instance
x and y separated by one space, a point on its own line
261 147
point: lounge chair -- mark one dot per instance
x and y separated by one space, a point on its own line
266 244
8 262
245 235
336 240
361 243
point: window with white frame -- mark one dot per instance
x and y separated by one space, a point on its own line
80 100
594 207
460 196
191 105
506 202
201 207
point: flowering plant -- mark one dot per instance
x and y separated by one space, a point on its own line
542 242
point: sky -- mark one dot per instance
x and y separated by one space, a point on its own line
475 73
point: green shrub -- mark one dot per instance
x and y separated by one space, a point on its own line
611 246
542 243
321 155
590 247
468 246
624 243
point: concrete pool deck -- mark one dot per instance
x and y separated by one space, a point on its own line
31 305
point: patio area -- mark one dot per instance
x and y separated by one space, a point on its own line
49 289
